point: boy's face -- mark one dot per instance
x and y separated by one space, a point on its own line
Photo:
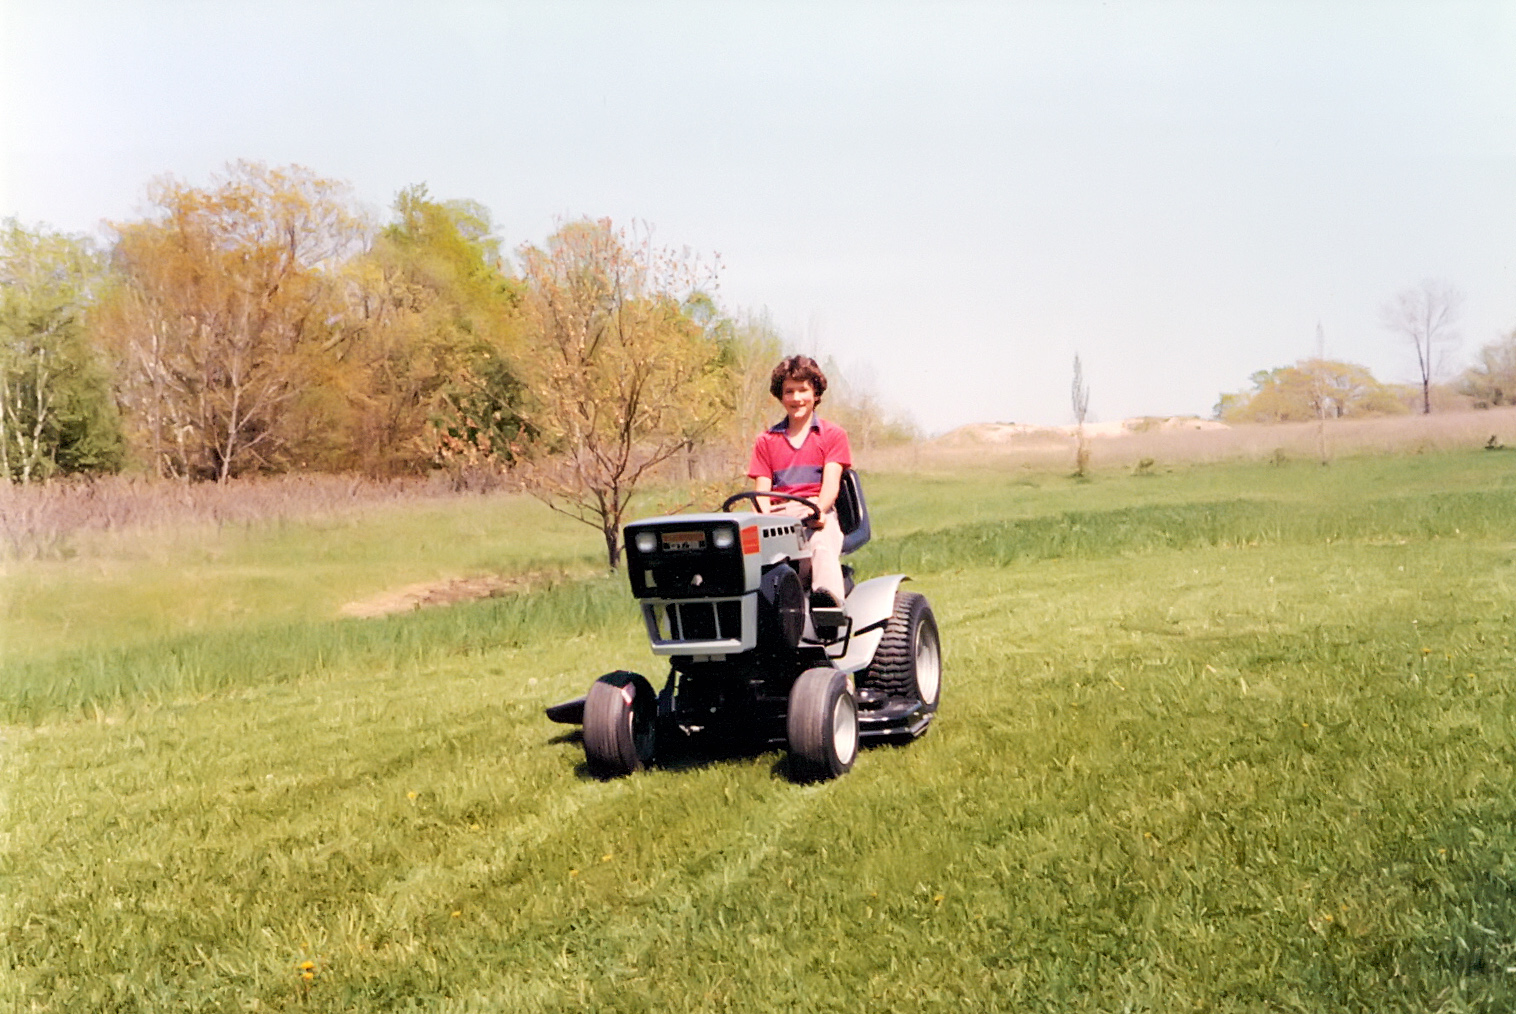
799 399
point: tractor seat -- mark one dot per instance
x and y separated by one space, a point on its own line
852 512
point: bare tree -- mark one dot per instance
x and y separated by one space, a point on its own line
1081 398
1319 392
1427 317
622 377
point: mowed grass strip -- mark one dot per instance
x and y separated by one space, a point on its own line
1227 777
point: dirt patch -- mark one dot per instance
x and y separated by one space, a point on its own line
438 593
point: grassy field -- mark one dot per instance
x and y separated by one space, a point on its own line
1224 738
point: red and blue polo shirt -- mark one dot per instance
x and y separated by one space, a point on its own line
797 470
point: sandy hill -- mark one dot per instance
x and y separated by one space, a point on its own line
1001 433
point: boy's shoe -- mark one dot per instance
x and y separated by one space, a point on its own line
827 615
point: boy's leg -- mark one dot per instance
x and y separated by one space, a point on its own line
826 550
826 559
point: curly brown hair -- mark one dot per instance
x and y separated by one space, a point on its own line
797 368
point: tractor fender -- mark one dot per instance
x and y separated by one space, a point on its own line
870 607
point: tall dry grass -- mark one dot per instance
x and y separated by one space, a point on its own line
36 520
1052 450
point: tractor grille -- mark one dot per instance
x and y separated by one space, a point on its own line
700 620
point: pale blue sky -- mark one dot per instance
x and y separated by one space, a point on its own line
950 198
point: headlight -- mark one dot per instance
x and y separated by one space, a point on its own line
646 542
723 537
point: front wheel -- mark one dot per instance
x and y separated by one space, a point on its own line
822 725
620 720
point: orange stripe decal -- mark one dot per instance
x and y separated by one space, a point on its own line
750 540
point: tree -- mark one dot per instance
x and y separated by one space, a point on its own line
56 412
622 377
1311 389
1081 400
1320 387
230 304
851 403
750 348
1492 380
428 371
1427 318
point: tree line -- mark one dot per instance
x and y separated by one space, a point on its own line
1425 318
264 324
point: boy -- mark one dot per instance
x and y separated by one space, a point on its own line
805 456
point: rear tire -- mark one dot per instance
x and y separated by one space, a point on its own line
908 661
822 725
620 723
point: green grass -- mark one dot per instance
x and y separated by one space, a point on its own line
1231 739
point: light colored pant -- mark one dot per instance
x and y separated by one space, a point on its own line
826 549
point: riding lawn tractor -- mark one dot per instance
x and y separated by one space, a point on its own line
754 662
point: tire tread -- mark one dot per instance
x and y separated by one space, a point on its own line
893 667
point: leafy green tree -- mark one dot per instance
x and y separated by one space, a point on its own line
622 374
1491 381
1311 389
56 411
429 369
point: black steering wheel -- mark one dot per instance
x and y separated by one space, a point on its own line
753 495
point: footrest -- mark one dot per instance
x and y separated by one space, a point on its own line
832 616
568 713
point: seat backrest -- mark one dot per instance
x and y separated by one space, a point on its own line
852 512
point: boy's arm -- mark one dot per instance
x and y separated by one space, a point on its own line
831 486
763 483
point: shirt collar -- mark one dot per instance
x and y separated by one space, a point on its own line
784 424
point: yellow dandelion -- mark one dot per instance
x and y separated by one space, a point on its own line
607 857
411 794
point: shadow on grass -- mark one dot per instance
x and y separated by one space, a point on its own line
685 753
696 753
